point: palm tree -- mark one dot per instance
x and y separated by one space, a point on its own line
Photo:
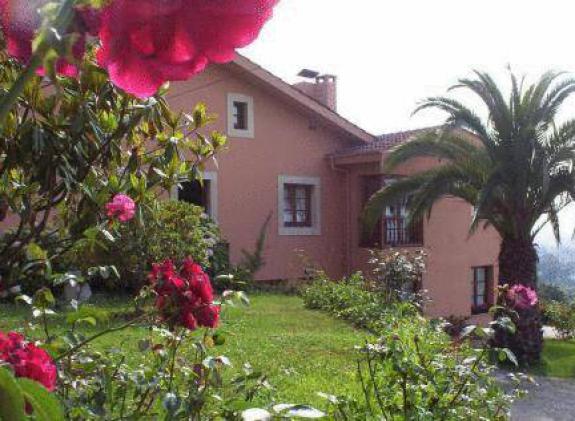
515 168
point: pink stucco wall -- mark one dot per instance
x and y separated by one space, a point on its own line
286 142
451 251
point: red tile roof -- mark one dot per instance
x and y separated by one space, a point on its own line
384 142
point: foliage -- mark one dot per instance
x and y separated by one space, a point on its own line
317 350
398 274
172 373
66 150
551 292
18 394
515 168
561 316
349 299
172 229
413 371
241 275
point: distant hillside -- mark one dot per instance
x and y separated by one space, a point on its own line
557 266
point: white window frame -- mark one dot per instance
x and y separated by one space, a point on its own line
250 131
212 177
315 228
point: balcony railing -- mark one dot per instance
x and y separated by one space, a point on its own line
396 232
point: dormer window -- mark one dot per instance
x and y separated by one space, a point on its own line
240 116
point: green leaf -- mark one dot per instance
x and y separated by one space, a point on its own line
45 405
468 330
35 252
506 353
11 398
43 298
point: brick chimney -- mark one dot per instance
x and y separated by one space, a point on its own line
323 89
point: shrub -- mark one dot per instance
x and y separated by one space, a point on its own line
550 292
397 275
173 229
349 299
561 316
414 370
414 373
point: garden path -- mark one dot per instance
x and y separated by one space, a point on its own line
551 400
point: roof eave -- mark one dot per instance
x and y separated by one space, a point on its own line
326 114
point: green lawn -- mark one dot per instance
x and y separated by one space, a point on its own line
302 351
558 359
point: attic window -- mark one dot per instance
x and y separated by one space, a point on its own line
240 116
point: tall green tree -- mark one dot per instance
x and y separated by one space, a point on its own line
515 167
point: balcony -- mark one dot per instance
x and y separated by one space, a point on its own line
393 231
397 233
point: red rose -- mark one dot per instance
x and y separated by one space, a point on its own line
189 321
27 360
148 42
185 299
20 21
208 316
199 282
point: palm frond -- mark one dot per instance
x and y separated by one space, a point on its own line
443 145
488 91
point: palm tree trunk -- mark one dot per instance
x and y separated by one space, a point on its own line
518 265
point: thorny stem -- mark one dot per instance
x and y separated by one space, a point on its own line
97 335
45 326
176 345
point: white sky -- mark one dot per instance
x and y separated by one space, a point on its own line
388 55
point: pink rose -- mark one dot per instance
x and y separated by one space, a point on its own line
522 297
121 207
148 42
20 21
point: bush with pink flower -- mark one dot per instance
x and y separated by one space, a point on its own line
521 297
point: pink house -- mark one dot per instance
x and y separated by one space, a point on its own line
292 156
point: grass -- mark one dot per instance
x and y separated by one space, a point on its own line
558 359
303 352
